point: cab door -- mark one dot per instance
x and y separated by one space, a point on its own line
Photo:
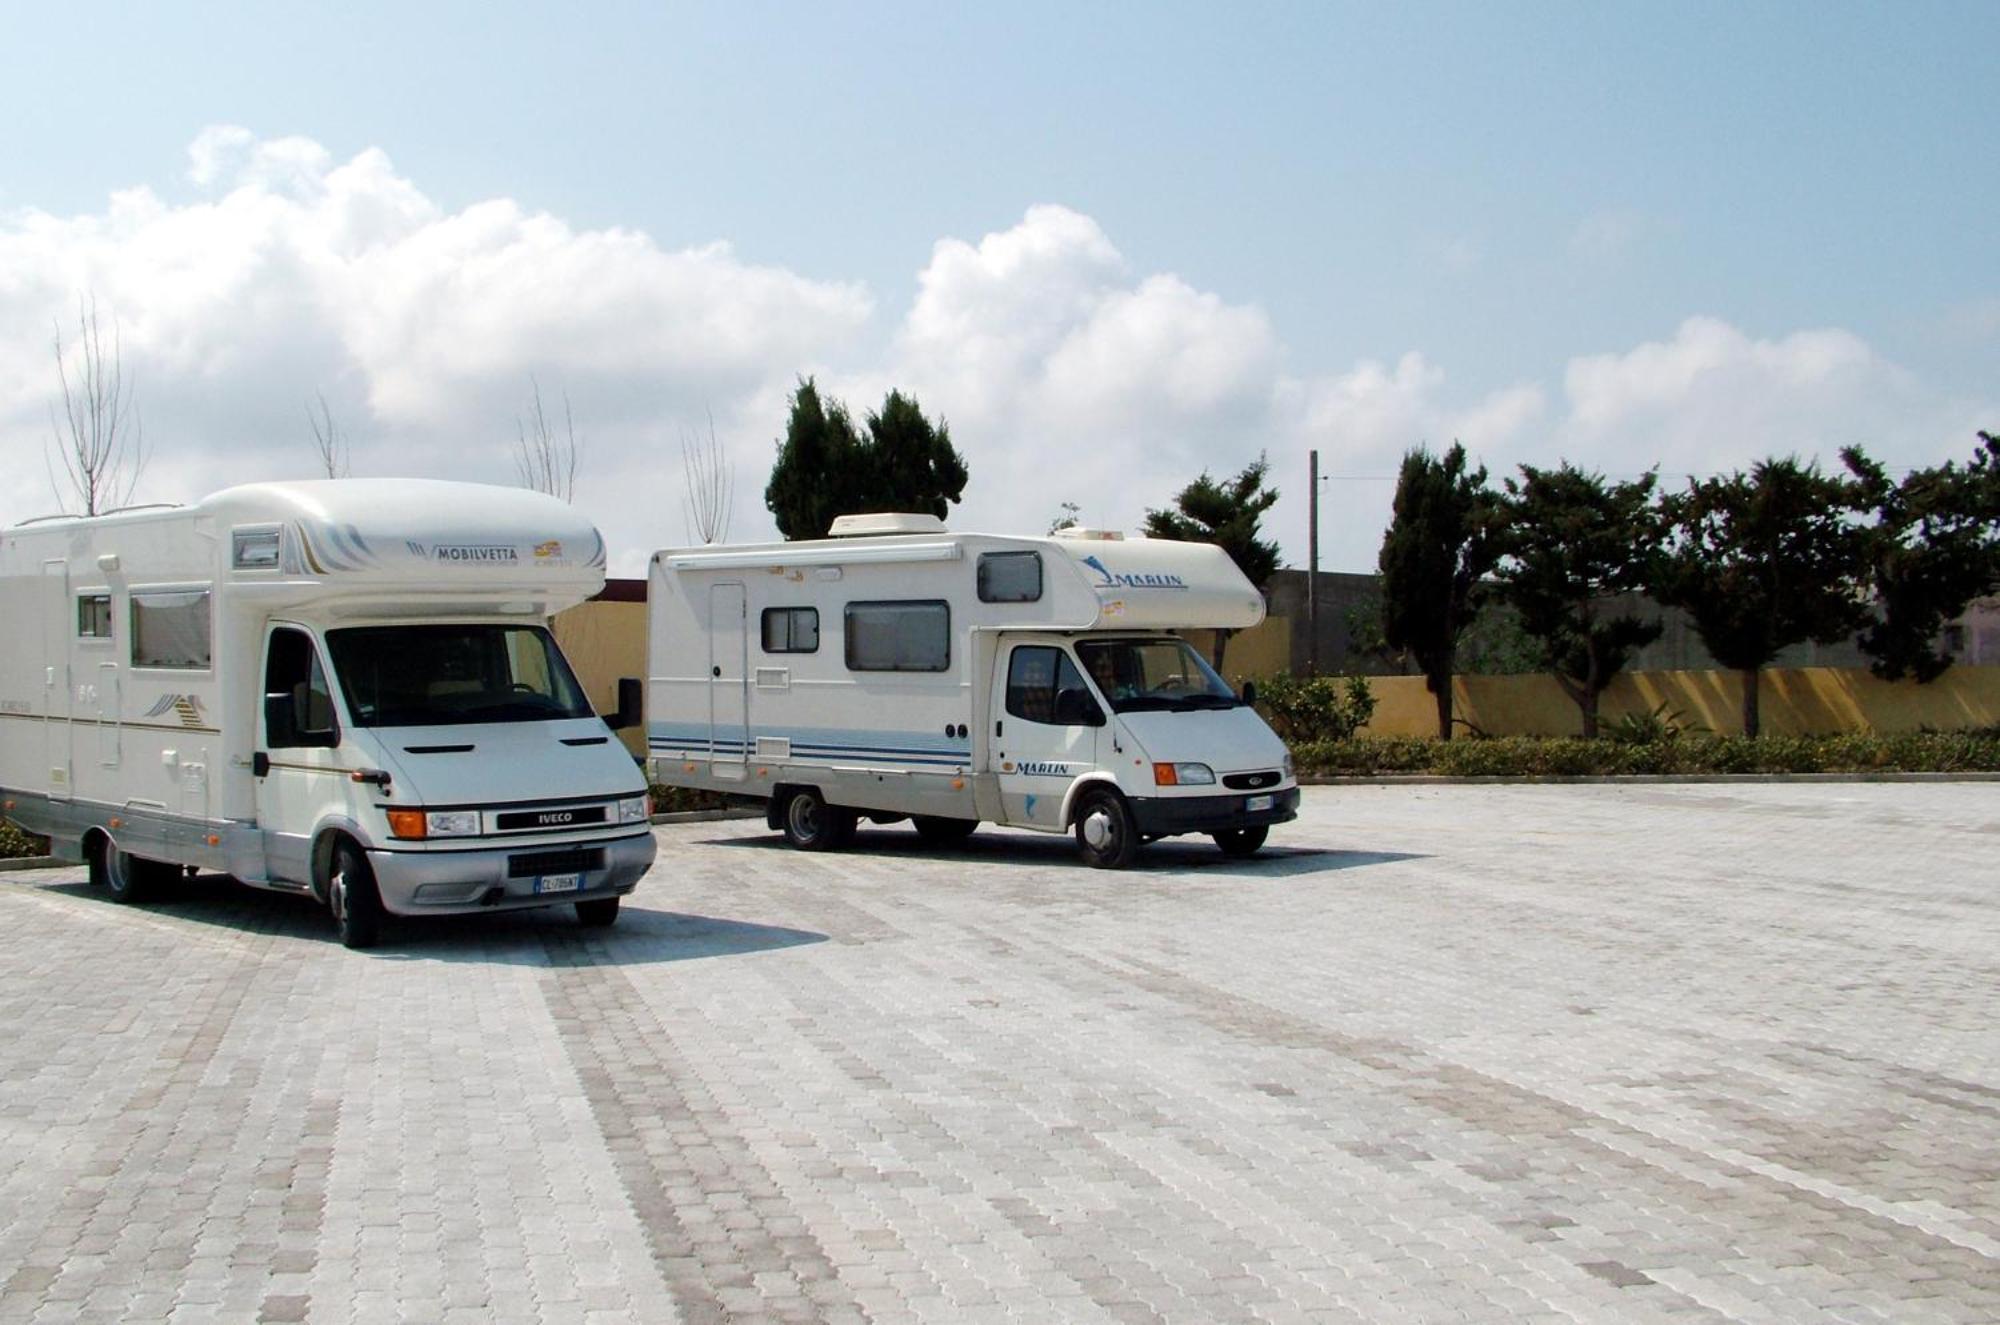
1046 732
300 779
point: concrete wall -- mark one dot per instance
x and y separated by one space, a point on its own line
1795 700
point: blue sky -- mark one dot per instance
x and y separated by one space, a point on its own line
1687 234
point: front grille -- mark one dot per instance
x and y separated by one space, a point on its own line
561 816
1252 781
530 864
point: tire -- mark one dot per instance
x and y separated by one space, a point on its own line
598 913
1105 833
354 899
943 832
813 825
1241 842
128 878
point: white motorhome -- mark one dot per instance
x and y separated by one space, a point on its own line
897 670
345 688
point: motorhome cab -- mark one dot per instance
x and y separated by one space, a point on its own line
896 670
345 688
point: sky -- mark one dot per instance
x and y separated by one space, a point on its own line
1112 246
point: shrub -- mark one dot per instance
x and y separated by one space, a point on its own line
678 800
1569 756
1315 708
15 844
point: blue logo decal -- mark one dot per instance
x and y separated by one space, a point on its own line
1118 580
1028 807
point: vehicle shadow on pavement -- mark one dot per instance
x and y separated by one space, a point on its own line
540 937
1040 851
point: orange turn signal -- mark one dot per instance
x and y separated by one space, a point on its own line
406 823
1165 776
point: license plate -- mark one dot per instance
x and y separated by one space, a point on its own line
1256 803
569 883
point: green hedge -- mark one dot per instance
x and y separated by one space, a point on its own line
1528 756
15 844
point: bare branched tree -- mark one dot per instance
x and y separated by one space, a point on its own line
545 458
98 437
327 441
709 485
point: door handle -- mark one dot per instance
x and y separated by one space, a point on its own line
260 764
996 728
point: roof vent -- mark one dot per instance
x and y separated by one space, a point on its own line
1091 535
884 522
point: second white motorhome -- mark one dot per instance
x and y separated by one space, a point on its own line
897 670
345 688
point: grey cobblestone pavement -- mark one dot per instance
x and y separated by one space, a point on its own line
1590 1053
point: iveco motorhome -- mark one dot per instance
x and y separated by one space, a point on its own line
344 687
897 670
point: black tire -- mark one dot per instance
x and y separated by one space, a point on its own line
1105 833
943 832
598 913
353 898
813 825
128 878
1241 842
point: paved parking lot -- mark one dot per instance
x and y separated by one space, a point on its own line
1445 1053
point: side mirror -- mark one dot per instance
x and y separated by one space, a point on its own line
312 716
1250 692
631 704
1075 708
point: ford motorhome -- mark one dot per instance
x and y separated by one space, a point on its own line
344 687
897 670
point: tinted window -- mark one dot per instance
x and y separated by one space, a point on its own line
293 676
170 629
421 676
1010 577
791 630
898 637
1044 686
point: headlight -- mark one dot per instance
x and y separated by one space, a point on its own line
433 823
451 823
635 810
1183 775
1288 763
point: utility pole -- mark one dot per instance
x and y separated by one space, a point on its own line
1312 569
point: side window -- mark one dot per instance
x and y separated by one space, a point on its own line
298 706
93 616
1010 577
898 637
791 629
170 629
1044 686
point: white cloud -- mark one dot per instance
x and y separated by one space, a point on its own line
1064 374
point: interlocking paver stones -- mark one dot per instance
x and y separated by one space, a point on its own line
1706 1052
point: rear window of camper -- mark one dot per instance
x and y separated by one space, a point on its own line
1010 577
899 637
791 629
170 629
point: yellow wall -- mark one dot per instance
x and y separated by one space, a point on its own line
605 641
1793 701
1263 650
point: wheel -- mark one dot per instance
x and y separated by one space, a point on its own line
128 878
943 832
354 899
1105 833
813 825
1241 842
599 913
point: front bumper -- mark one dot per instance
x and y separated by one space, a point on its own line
492 878
1164 816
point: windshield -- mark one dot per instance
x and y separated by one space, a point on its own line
1137 674
436 676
